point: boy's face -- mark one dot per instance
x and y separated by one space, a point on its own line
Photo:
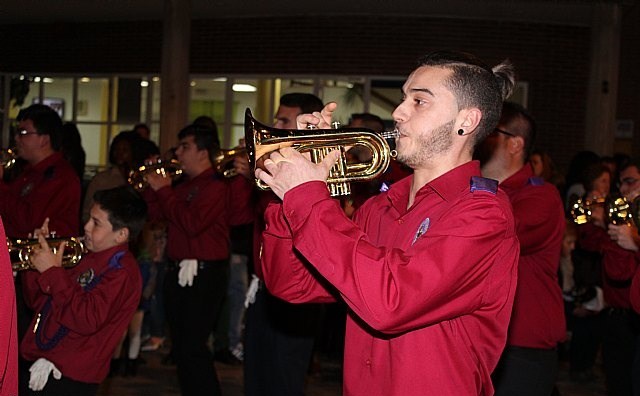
98 231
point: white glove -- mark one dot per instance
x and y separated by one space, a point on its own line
40 371
250 298
188 269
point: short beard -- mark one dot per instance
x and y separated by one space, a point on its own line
437 142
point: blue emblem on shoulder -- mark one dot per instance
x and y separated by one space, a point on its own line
536 181
483 184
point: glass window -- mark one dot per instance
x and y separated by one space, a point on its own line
94 142
58 94
93 99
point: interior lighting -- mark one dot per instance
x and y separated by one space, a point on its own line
244 88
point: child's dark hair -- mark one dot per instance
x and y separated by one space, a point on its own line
125 207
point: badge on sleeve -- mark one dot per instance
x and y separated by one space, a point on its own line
86 277
424 226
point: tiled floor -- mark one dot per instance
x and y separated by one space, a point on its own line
155 379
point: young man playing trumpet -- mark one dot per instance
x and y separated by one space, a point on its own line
195 210
428 268
82 312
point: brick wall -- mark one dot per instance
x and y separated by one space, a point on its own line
552 59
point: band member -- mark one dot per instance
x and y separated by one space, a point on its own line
428 268
195 210
529 363
82 312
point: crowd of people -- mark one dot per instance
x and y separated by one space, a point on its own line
462 269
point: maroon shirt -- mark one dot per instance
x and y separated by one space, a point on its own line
430 288
95 316
8 326
50 189
618 265
538 310
196 212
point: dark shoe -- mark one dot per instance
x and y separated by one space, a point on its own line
225 356
131 368
115 368
167 360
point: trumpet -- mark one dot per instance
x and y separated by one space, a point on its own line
138 178
8 158
20 251
617 210
261 140
223 161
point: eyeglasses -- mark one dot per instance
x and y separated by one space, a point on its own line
23 132
629 181
498 130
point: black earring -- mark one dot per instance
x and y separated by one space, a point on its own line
460 132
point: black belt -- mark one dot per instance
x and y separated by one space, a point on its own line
175 264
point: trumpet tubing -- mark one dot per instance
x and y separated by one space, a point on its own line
617 210
20 251
262 140
138 178
223 161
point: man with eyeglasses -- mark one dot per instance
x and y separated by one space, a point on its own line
618 245
529 363
47 186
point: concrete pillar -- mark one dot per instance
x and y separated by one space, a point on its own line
602 91
174 73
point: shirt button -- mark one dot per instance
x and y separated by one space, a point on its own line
400 221
368 362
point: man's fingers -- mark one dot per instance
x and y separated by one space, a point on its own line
330 159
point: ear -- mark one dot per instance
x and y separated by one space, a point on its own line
516 144
470 119
122 235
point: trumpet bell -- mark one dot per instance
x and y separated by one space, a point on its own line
223 161
8 158
20 251
261 140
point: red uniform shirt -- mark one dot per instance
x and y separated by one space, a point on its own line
538 310
50 189
8 323
196 212
618 264
634 292
96 316
430 288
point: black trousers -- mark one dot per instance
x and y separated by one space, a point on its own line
279 339
526 372
620 333
192 313
62 387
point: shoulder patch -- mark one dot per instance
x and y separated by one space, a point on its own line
536 181
479 183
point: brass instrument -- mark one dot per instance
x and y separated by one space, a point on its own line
20 251
617 210
138 178
223 161
262 140
8 158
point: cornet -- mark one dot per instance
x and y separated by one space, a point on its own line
223 161
262 140
138 178
7 158
617 210
20 251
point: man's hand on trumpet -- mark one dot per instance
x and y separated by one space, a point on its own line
287 169
42 258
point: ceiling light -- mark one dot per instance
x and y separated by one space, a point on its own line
244 88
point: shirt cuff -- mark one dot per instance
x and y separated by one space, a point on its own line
299 201
55 278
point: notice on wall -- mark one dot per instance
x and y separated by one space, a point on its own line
624 129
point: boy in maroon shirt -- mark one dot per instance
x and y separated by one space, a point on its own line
82 312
